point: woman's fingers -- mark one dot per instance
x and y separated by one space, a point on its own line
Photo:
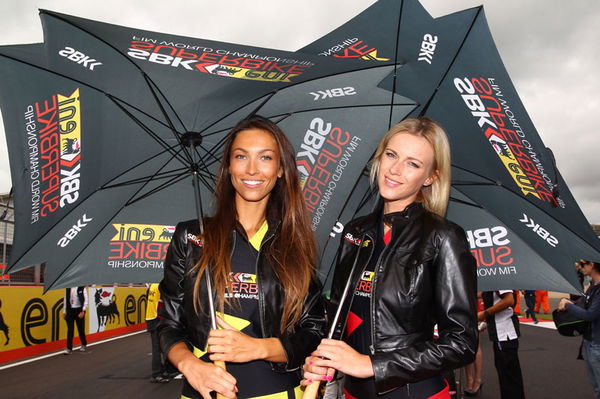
223 324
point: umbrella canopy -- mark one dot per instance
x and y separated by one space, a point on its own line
114 136
451 67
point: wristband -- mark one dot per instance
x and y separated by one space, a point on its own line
486 314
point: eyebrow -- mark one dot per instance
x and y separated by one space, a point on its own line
259 151
412 158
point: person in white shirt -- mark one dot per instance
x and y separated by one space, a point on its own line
75 304
503 329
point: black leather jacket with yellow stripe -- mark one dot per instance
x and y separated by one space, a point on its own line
179 322
426 275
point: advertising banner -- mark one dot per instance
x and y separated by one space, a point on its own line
31 322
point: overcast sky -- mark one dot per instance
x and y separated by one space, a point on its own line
550 49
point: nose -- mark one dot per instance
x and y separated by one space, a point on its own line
396 168
252 166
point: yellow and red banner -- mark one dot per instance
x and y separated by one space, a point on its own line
31 322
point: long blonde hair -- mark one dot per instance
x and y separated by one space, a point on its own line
435 196
292 253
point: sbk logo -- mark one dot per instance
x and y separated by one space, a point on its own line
79 58
428 46
330 93
543 233
73 231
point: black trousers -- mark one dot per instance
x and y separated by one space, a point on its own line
71 319
506 359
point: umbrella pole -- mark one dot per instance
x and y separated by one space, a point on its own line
312 390
209 290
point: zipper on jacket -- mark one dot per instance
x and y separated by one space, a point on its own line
378 270
261 295
362 270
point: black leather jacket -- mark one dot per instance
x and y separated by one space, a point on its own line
426 275
180 323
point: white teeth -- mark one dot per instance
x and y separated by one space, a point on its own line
252 182
391 181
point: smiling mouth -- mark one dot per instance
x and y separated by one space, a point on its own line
391 182
252 183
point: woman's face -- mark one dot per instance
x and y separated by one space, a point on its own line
405 166
254 165
586 268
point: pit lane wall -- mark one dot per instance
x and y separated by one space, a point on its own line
32 324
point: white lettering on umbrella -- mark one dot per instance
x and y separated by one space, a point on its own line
79 58
73 231
330 93
427 48
539 230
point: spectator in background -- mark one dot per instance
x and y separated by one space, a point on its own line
473 383
4 327
503 330
517 305
530 302
581 278
158 361
541 301
591 313
75 304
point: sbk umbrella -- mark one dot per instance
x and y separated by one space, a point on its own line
451 67
114 135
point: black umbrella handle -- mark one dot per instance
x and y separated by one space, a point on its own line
338 312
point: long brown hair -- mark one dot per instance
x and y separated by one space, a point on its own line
292 252
435 196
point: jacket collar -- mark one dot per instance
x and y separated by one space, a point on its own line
373 222
402 217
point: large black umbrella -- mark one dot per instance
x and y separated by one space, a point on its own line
452 68
114 134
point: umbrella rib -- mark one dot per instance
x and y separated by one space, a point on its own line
165 175
394 76
152 87
450 64
175 179
287 115
149 131
463 202
137 165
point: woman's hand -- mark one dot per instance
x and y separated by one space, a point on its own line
231 345
562 305
340 356
203 376
311 372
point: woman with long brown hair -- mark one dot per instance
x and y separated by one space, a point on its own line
260 255
409 269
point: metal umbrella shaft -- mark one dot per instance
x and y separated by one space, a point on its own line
312 390
192 140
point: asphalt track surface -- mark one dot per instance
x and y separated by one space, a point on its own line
121 369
